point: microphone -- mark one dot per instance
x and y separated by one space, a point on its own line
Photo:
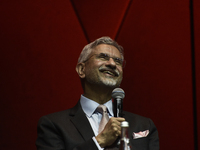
118 94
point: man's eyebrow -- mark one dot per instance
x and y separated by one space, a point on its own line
104 53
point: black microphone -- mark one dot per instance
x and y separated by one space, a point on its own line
118 94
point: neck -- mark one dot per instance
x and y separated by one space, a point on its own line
98 94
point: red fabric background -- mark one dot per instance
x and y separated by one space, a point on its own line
40 44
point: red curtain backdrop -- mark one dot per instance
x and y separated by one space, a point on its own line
40 42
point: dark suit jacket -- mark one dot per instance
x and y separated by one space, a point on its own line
71 130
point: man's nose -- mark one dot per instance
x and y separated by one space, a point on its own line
111 63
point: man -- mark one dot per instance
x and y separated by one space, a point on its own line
100 68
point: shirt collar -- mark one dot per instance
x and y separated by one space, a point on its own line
89 106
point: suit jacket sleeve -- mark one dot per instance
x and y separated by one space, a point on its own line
153 137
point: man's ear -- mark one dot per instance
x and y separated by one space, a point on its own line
80 69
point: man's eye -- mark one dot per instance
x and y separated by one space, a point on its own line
104 56
118 61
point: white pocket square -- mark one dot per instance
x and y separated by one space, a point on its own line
140 134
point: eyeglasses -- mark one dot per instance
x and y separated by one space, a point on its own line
106 57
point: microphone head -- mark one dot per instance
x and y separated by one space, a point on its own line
118 93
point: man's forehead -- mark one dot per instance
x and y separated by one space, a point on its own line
108 49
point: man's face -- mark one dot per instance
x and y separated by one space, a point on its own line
103 66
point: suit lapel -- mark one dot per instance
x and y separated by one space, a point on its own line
81 122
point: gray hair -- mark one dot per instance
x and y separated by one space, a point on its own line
103 40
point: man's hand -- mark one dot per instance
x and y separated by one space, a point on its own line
110 133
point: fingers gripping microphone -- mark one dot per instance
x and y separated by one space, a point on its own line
118 95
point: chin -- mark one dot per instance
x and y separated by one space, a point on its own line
111 83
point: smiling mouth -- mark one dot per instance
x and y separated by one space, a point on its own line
110 72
